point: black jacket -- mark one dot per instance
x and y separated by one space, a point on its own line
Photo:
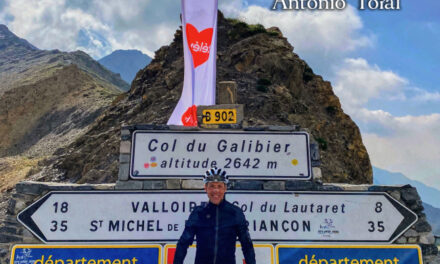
216 229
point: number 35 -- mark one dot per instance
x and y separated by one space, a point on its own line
373 227
62 228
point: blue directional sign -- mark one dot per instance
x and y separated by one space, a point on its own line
349 254
86 254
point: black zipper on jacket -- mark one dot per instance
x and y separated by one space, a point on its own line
216 235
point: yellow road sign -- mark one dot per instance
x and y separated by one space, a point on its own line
219 116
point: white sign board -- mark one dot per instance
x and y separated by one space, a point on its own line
272 216
264 254
188 154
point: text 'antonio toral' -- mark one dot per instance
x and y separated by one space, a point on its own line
334 4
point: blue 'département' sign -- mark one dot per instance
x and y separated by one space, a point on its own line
348 254
86 254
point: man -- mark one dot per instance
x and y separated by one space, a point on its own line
216 227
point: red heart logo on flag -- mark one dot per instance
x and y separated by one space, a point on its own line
189 118
199 43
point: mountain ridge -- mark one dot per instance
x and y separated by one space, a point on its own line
125 62
430 196
20 60
47 100
7 37
433 217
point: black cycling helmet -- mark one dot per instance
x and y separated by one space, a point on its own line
215 175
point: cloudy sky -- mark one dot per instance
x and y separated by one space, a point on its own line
383 65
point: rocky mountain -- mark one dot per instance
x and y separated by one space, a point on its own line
11 45
274 84
47 100
21 63
125 62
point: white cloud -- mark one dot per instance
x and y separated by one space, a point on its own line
424 96
411 148
323 31
57 24
119 9
357 82
322 37
49 25
406 144
231 8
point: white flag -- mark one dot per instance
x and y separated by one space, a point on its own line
199 18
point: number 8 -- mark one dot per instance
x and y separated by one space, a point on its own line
378 208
